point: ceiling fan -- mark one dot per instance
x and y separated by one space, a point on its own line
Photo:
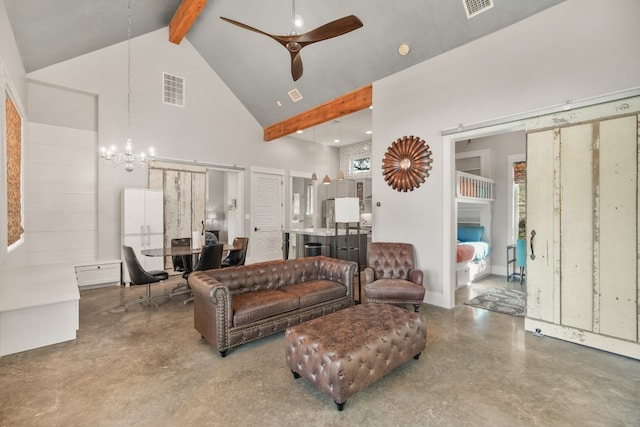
294 42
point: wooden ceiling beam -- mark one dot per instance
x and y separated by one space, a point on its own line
349 103
184 18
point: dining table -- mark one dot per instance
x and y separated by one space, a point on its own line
183 250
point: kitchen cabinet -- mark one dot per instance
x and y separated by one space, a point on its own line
344 188
143 225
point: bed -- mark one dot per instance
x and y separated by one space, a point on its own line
474 204
473 254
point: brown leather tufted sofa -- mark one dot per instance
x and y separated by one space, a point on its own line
390 275
236 305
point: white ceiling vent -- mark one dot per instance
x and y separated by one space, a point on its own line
475 7
295 95
173 90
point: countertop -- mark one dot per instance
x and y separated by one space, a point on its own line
326 232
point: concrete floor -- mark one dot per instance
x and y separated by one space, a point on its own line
149 367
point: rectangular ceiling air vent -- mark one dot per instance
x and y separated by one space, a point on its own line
295 95
173 89
475 7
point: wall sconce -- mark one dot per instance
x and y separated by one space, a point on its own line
232 205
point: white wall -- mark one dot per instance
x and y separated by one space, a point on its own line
576 50
213 127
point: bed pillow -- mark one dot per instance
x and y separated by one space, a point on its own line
470 233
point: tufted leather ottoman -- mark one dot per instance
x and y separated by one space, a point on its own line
344 352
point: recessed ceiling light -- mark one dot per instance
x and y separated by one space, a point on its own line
369 132
336 141
403 49
300 131
279 103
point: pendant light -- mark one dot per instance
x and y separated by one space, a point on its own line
314 177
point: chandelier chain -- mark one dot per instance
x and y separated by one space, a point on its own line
129 69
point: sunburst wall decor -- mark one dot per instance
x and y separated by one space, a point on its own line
406 163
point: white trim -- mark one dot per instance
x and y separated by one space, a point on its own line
260 169
7 86
465 130
579 336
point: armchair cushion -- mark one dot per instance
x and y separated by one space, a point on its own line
399 289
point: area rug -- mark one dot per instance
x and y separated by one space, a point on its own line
508 301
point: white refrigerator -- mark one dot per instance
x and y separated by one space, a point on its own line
143 225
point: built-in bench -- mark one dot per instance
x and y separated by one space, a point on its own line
39 306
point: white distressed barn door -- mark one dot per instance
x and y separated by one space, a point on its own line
582 226
267 189
184 188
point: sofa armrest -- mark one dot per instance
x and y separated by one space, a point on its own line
339 270
212 314
416 276
369 275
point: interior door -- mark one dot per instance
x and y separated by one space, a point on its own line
268 215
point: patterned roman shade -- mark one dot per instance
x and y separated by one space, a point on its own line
14 166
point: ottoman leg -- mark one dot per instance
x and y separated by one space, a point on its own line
295 374
340 406
417 356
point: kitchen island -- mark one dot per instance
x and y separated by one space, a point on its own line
340 245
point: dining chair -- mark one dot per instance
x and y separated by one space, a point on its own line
237 256
139 276
210 259
181 263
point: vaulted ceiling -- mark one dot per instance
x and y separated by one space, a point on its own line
255 67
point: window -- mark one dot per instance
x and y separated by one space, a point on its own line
360 164
520 198
309 204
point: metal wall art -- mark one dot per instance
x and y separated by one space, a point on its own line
406 163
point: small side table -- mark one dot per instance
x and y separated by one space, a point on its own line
512 265
511 262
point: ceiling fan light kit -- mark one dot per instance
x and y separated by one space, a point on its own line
294 42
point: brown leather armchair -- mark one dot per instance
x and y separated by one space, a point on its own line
390 276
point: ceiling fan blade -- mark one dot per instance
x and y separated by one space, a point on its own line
296 65
332 29
279 39
293 43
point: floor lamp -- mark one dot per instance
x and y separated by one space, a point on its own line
347 211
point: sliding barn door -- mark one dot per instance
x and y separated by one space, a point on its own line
582 226
184 188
